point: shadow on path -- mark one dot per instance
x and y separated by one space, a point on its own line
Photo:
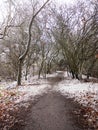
55 80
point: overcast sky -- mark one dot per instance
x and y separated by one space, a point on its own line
65 1
3 7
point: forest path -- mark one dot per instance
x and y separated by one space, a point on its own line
52 111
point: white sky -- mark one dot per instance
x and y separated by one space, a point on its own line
3 6
65 1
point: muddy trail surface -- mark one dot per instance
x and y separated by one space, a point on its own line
52 111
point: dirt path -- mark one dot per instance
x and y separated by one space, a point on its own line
51 111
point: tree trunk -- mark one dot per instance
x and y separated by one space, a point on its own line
39 73
49 68
19 72
45 71
40 70
73 74
26 73
90 68
33 69
77 77
88 75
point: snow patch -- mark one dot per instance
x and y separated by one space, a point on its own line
84 93
30 91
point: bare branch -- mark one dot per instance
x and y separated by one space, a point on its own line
30 26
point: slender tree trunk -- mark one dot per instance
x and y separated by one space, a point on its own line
49 68
19 72
77 77
39 73
90 68
45 70
88 75
73 74
33 69
40 70
26 73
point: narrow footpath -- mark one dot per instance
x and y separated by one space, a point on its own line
52 111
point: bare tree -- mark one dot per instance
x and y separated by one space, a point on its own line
75 32
22 57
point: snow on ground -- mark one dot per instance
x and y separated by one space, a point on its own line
28 90
83 92
7 85
86 93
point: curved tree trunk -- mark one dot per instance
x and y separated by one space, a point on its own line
22 57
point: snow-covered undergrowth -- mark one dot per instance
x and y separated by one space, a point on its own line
85 93
28 90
